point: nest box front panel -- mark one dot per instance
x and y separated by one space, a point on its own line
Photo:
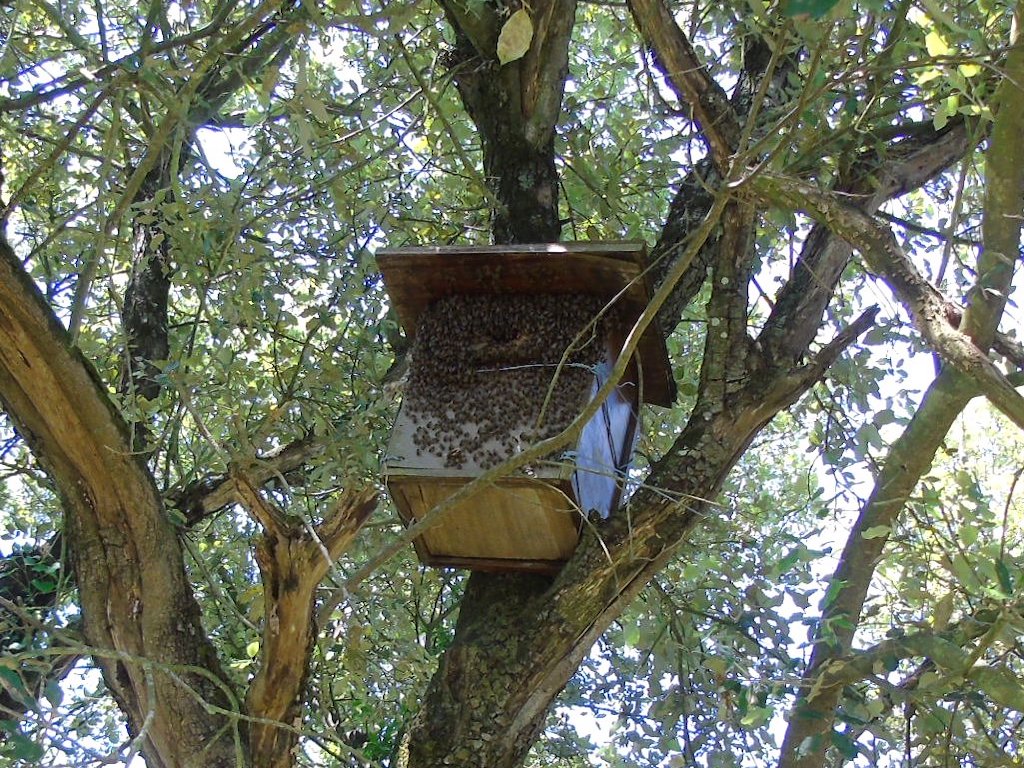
518 525
489 376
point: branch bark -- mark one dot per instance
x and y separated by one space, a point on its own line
135 597
207 496
293 559
928 308
884 175
689 78
144 316
515 108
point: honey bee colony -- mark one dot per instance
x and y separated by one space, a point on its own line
493 374
510 344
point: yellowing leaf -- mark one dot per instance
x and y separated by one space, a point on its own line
942 612
717 664
515 38
252 649
969 70
936 44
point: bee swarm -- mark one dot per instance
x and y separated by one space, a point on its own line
482 367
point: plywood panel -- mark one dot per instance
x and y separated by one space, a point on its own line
516 520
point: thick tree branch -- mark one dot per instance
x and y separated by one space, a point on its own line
689 78
544 68
946 649
890 173
135 597
807 737
884 256
691 202
202 498
909 458
293 559
479 23
144 317
515 107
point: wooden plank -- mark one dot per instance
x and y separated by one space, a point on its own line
624 249
417 277
416 280
546 567
515 520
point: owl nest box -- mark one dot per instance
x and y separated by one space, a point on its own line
510 344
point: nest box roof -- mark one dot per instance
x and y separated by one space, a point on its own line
417 277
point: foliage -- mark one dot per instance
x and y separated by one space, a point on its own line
262 152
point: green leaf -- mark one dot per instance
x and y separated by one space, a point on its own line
790 559
813 8
717 665
16 687
515 38
876 532
834 588
21 747
1003 574
1001 686
847 747
252 649
53 693
44 586
942 612
756 717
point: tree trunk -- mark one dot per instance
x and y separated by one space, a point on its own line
138 611
520 638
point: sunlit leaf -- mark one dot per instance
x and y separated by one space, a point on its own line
936 44
515 37
876 532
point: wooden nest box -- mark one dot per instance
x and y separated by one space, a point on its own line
491 327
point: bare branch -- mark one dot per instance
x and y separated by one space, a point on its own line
209 495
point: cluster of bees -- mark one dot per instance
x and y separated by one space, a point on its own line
483 367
